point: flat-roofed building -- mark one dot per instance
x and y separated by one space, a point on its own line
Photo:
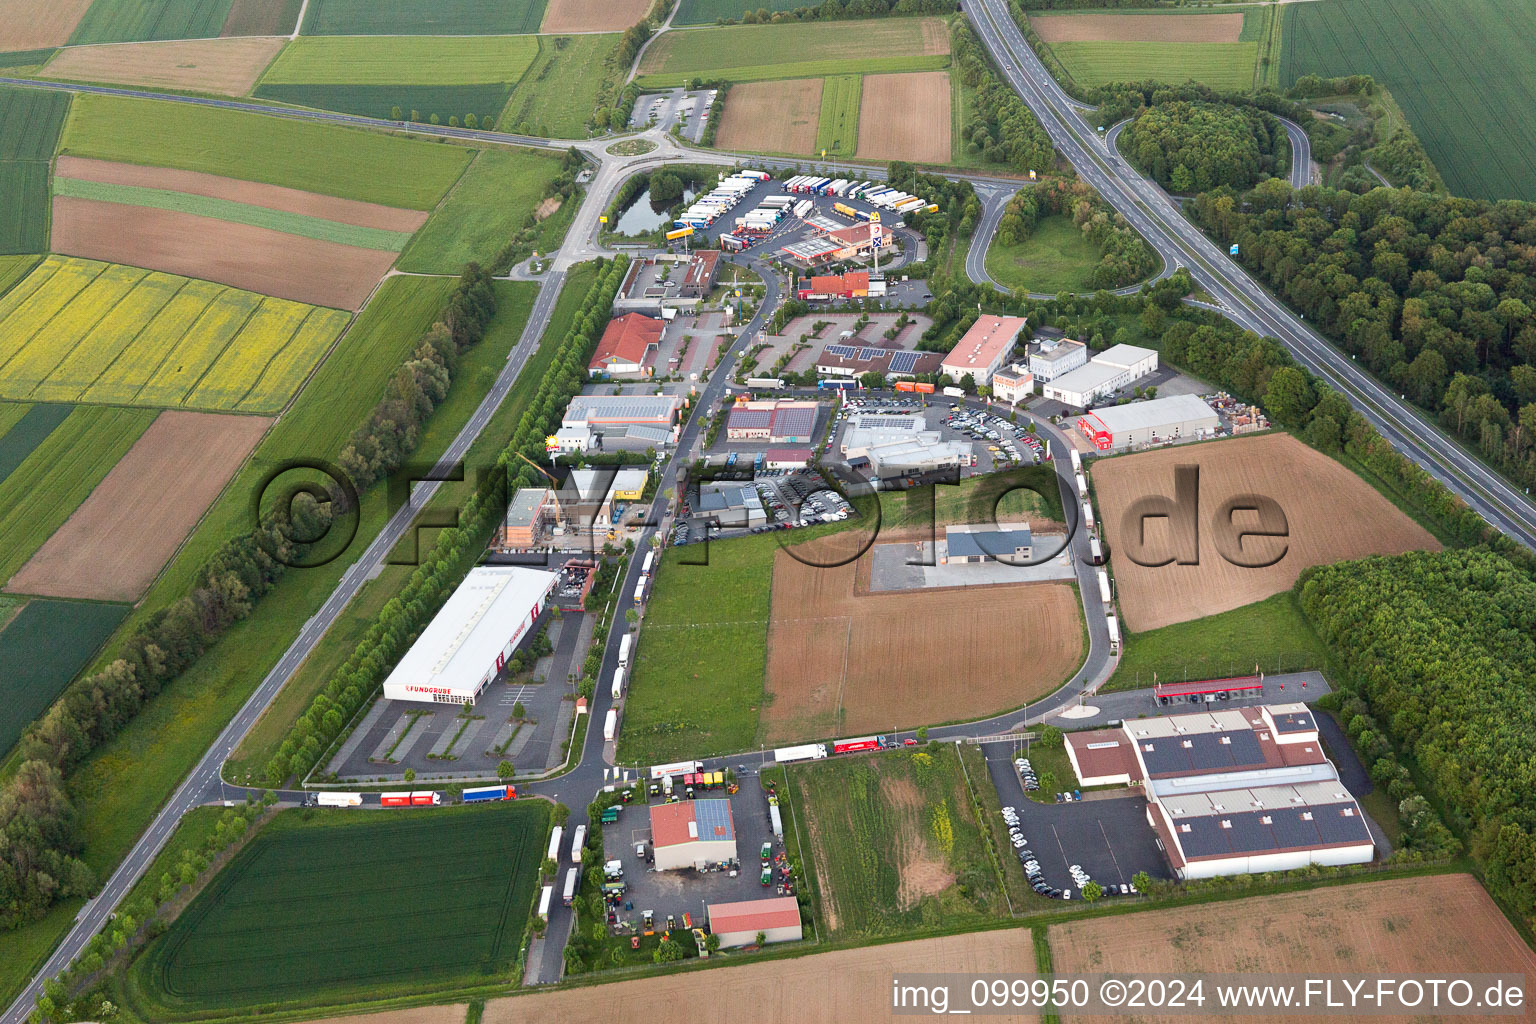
1106 373
1012 384
1158 420
1009 543
776 421
527 513
618 422
983 348
733 506
1052 358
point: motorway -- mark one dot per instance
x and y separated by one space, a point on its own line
1152 212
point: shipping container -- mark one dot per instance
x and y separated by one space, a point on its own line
776 821
554 843
765 383
677 233
1104 594
572 880
628 638
426 798
578 840
803 752
853 746
917 387
618 682
340 800
640 591
611 724
845 210
863 215
778 202
546 897
1114 633
482 793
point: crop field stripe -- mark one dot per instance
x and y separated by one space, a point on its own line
209 374
48 304
235 212
25 432
42 648
414 17
131 21
1219 65
837 132
14 269
287 368
122 284
485 100
804 69
146 302
30 121
403 60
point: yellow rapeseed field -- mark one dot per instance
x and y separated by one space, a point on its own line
82 330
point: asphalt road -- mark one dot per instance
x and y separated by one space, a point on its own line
1242 299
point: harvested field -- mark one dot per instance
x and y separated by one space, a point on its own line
1137 28
841 661
1331 515
35 24
261 18
593 15
1438 926
905 117
771 117
229 67
451 1014
114 544
215 186
240 255
825 988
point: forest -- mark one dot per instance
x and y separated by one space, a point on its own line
1195 146
1125 258
1432 293
1442 647
998 127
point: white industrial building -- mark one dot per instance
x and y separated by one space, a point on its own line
922 453
1054 357
1109 371
777 919
1118 427
471 638
867 429
692 834
1013 384
1006 542
983 348
1229 792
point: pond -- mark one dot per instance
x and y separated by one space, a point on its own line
641 218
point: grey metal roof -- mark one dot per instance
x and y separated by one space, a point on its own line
1156 413
1295 722
979 543
525 504
1270 831
1201 752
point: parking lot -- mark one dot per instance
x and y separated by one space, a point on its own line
675 106
790 498
688 891
1107 835
1014 445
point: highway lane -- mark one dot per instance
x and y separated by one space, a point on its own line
1301 154
1151 211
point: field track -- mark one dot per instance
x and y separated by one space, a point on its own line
592 15
905 117
1331 514
1436 926
825 988
115 543
229 67
35 24
1131 28
771 117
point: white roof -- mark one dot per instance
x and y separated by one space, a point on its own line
461 642
1088 377
986 341
1123 356
1157 412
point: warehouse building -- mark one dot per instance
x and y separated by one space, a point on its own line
788 458
1157 421
597 497
692 834
618 423
527 513
1231 792
917 456
628 346
1054 358
867 429
738 924
470 639
776 421
733 506
984 348
1117 367
1013 384
1005 542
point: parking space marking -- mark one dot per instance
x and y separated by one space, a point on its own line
1118 869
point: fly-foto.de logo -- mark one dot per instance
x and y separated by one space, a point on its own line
1248 530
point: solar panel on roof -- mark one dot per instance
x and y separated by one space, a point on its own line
842 351
1334 826
1291 829
903 362
871 353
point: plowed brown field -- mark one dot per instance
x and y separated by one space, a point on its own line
257 259
226 66
273 197
451 1014
1411 926
771 117
592 15
843 661
34 24
261 18
1133 28
905 117
824 988
1331 515
117 540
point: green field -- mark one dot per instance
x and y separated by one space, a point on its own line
25 58
1219 65
490 203
322 905
132 21
874 823
402 60
1057 257
42 648
556 97
1030 492
1271 634
62 470
22 428
707 12
1464 73
415 18
237 213
805 50
344 162
381 101
837 132
29 130
14 269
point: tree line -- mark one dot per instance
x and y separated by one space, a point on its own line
1194 146
458 548
1124 256
998 127
837 10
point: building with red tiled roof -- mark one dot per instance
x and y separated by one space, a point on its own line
738 924
628 345
692 833
835 286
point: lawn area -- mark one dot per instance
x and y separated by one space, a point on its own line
1271 633
1220 65
490 203
896 843
24 950
1057 257
804 50
345 162
59 474
838 130
133 21
414 18
402 60
557 95
30 120
1028 492
333 906
42 648
1463 73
